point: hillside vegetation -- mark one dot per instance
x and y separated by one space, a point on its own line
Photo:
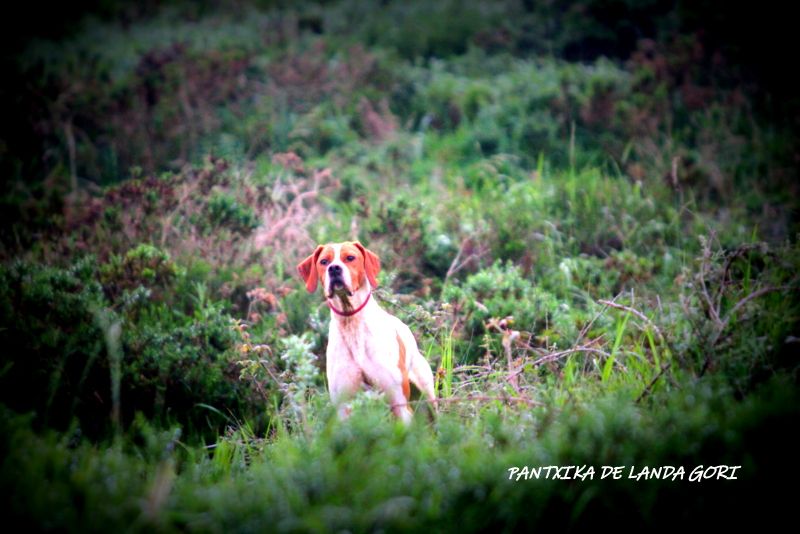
586 213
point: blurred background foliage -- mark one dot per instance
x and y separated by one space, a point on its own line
586 211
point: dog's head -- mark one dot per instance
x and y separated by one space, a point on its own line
343 268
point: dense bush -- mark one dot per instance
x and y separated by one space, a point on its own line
501 291
55 361
74 356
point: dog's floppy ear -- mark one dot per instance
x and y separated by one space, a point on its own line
308 270
372 264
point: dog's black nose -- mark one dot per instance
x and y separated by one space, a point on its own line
335 270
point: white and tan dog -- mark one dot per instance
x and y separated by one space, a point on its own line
366 345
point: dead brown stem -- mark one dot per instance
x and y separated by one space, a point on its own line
635 312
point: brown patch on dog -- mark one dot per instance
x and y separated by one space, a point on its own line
404 370
356 267
372 263
308 270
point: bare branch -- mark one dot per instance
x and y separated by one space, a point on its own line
635 312
755 294
588 325
556 355
726 270
457 264
652 383
751 296
482 398
712 310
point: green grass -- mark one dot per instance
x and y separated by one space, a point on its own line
370 473
443 385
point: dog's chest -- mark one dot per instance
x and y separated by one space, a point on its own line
365 343
351 341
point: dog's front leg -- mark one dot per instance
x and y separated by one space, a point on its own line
399 404
344 381
390 381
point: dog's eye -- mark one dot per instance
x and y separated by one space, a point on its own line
350 258
324 262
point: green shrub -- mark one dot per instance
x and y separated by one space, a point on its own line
501 291
143 267
319 131
740 310
422 246
55 326
519 107
605 277
224 210
175 365
55 360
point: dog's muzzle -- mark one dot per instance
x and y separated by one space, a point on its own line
336 283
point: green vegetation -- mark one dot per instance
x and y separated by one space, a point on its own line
586 214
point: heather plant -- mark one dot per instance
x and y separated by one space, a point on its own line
142 269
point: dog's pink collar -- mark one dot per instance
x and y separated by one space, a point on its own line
352 312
